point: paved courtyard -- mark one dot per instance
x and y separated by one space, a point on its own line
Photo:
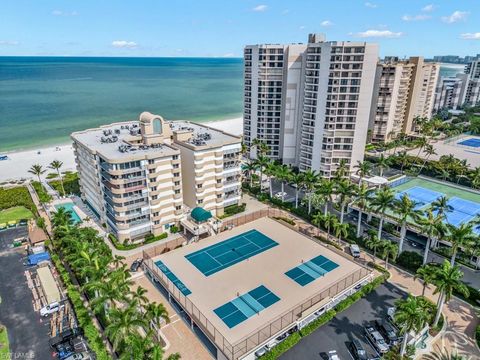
27 331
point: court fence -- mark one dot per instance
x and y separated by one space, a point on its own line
274 327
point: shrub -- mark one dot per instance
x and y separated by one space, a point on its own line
232 210
278 350
284 219
17 196
174 229
477 335
410 260
70 183
42 194
329 242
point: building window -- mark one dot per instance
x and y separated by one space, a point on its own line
153 179
175 157
199 186
176 174
178 207
177 191
151 161
200 201
156 222
154 197
176 183
156 213
154 188
157 126
175 166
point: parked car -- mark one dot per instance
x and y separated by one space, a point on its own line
79 356
260 352
280 194
64 350
332 355
377 340
355 250
391 314
136 264
51 308
357 350
388 332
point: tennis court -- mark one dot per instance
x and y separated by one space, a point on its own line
465 204
472 142
176 281
311 270
229 252
241 308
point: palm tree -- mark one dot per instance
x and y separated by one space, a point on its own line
297 180
362 197
382 163
62 217
262 147
56 165
325 190
403 157
373 242
156 313
310 180
459 237
345 191
342 170
139 295
249 169
410 315
447 279
443 355
270 171
389 250
123 324
432 226
340 230
382 201
37 170
405 208
441 206
283 173
428 151
422 142
475 178
262 162
364 168
426 273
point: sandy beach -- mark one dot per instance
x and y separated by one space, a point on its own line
19 162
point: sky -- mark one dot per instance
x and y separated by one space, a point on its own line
221 28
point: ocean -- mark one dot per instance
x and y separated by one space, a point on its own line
44 99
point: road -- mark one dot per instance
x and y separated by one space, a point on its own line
27 331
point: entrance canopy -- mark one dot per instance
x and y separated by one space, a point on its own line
200 215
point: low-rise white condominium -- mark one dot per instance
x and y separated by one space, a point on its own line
136 175
310 103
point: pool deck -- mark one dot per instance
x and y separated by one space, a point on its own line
267 268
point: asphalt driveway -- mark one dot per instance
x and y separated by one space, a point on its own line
346 326
27 332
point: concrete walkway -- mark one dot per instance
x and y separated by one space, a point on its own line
40 209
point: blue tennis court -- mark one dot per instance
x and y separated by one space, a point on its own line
463 211
420 195
229 252
173 278
473 142
308 271
241 308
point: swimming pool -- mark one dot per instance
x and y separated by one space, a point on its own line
229 252
69 207
473 142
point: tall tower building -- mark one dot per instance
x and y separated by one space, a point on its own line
310 103
471 95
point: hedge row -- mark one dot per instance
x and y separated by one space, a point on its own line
17 196
70 183
294 338
148 240
83 316
42 194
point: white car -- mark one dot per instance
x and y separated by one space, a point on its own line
355 250
51 308
280 194
332 355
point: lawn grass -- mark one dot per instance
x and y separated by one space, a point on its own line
15 214
4 347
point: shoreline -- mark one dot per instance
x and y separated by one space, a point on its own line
20 161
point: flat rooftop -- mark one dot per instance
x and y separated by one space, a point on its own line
256 270
107 140
202 135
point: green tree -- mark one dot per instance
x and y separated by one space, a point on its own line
249 169
389 251
475 177
345 190
448 278
459 237
373 242
326 189
428 151
283 173
406 210
297 180
441 206
432 226
57 165
262 162
382 163
409 316
310 180
270 171
363 195
364 169
340 230
37 170
381 202
426 273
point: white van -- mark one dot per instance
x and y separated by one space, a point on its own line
355 250
50 308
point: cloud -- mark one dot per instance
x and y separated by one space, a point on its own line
285 12
428 8
379 34
371 5
8 43
326 23
470 36
124 44
260 8
420 17
64 13
455 17
302 27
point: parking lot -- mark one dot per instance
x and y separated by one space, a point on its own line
27 332
346 326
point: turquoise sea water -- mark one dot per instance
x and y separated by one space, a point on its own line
44 99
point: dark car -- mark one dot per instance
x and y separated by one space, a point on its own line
357 350
388 332
136 264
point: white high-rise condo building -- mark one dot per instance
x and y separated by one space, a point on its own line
139 176
310 103
404 90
